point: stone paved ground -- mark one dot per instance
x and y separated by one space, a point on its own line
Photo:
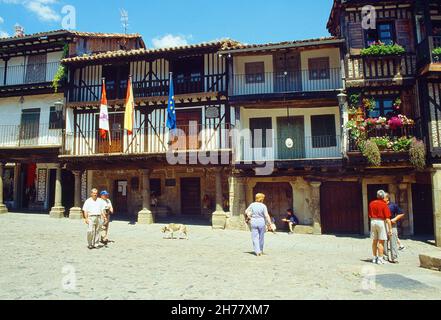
36 250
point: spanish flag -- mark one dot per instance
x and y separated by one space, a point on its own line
130 108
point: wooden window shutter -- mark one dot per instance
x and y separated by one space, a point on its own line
405 34
355 33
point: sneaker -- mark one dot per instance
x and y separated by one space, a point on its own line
91 247
381 261
374 260
402 248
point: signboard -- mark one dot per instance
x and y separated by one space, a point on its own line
212 112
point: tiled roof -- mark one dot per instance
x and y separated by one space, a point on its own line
295 43
220 45
71 33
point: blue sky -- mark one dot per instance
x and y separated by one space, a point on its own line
172 22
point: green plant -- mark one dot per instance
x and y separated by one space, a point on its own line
437 54
371 152
417 153
382 143
381 49
61 74
354 100
369 104
402 144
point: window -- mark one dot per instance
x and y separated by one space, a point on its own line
261 137
383 108
255 72
319 68
55 119
323 131
385 33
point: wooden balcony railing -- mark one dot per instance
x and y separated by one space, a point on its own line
380 68
151 88
149 140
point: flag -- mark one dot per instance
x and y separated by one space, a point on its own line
130 108
171 110
104 114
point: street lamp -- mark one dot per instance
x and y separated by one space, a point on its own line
342 98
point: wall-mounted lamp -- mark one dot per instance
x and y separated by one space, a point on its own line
342 98
59 106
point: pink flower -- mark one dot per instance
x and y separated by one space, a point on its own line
395 123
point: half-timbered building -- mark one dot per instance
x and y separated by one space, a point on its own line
387 86
32 114
149 173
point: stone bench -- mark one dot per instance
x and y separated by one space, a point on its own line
431 261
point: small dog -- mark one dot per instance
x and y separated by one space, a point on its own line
174 228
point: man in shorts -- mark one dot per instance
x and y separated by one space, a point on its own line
381 226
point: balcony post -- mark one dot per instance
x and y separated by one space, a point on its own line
76 212
58 209
3 208
219 218
5 75
436 194
145 216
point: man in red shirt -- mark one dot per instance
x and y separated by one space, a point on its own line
379 213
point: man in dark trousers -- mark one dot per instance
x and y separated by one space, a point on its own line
396 216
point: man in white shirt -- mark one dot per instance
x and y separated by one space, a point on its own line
109 210
94 210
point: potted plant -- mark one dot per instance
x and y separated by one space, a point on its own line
368 104
397 104
395 123
436 54
380 49
381 121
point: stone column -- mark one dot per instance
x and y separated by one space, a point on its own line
76 212
403 201
58 209
145 216
3 208
219 218
237 204
436 194
315 207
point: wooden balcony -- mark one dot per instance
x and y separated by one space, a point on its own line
148 141
425 56
28 74
151 88
380 70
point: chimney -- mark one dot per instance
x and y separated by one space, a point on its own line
19 31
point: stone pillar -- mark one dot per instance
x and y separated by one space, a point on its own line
58 209
145 216
237 204
403 202
76 212
219 217
315 207
436 194
3 208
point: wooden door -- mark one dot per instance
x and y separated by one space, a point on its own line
117 77
36 69
116 122
30 127
293 128
422 209
287 73
191 196
189 123
279 198
120 197
341 208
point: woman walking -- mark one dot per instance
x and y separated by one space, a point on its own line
257 215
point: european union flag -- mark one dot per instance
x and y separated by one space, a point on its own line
171 110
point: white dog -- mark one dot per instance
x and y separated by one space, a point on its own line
174 228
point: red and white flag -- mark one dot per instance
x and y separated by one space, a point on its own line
129 109
104 115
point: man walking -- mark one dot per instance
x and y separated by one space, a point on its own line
94 211
396 215
380 215
108 211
